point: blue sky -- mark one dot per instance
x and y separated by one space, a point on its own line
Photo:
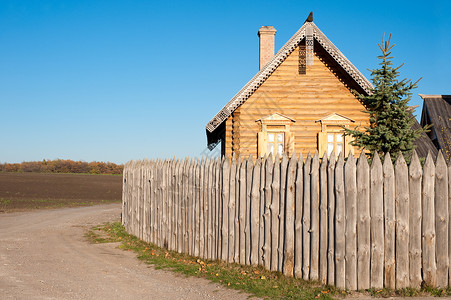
120 80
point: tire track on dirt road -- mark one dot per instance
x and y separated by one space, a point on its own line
44 255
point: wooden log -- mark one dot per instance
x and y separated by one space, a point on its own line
202 199
179 182
282 199
208 209
275 189
441 220
261 213
306 220
288 257
323 228
247 227
299 194
402 222
218 208
415 219
351 223
242 215
196 210
165 205
184 209
428 225
269 167
363 222
254 212
389 210
225 209
377 223
314 227
340 239
236 257
331 219
231 207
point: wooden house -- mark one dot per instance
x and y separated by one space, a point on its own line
298 100
437 112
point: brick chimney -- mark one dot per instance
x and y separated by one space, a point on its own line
266 34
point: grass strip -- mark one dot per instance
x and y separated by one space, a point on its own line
255 281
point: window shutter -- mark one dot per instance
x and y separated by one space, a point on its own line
262 143
289 143
322 143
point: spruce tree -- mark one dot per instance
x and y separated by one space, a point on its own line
390 117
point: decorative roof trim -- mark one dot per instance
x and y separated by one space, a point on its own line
279 114
434 96
275 62
327 118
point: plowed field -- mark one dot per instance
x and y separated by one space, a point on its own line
24 191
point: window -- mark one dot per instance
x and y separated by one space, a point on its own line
331 137
275 136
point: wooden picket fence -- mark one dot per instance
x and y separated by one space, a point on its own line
346 224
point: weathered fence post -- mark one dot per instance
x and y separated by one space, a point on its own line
288 265
449 223
225 209
275 187
299 194
254 212
306 223
231 207
267 217
314 220
261 213
323 229
402 222
363 223
242 215
351 223
415 219
389 207
377 223
247 228
340 218
428 227
331 219
283 184
236 257
441 220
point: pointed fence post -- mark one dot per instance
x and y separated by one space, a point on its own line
314 227
225 209
389 209
363 222
231 207
449 228
402 222
377 222
288 265
415 219
261 213
254 212
323 228
247 228
351 223
283 183
340 219
441 220
428 225
306 223
236 257
331 219
275 188
267 213
298 217
242 215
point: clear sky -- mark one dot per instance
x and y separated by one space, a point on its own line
119 80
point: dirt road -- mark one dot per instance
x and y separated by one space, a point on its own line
44 255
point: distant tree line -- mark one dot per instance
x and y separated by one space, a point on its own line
63 166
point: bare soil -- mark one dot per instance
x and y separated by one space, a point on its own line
24 191
44 255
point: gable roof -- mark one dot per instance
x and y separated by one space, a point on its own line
437 111
275 62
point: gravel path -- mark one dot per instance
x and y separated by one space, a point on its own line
44 255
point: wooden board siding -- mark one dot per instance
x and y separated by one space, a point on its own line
304 98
